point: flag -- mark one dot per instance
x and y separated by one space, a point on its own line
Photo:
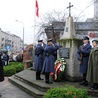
37 9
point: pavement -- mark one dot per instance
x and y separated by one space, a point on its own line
8 90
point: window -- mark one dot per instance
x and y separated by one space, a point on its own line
2 38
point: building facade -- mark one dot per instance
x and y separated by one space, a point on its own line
95 18
96 9
10 42
17 44
81 28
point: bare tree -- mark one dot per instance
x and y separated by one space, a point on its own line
51 16
47 19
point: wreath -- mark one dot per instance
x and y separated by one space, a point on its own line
59 67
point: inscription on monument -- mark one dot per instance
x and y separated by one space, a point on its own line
64 53
66 29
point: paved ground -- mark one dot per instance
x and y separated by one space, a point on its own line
8 90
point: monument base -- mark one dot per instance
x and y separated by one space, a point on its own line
73 79
72 68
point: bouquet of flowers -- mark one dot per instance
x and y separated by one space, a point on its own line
59 67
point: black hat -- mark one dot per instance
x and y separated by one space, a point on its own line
86 38
40 40
95 41
50 40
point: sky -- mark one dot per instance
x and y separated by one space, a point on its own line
24 10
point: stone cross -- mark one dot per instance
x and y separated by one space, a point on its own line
69 7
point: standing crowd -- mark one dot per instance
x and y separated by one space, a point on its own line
14 57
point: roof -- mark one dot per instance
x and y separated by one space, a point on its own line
89 26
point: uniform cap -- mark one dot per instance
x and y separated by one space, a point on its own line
50 40
95 41
40 40
86 38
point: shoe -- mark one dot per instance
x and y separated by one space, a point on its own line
82 83
86 83
94 87
49 82
39 79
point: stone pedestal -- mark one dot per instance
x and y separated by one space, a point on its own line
72 68
68 40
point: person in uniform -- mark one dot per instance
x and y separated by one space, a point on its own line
39 59
83 56
1 71
92 73
48 66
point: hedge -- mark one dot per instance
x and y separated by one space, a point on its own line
9 70
66 92
19 66
13 68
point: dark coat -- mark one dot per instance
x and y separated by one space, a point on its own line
1 71
19 58
38 58
4 59
92 73
85 51
48 65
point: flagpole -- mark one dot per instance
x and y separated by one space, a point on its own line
36 14
34 17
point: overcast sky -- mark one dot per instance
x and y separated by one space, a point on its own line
24 10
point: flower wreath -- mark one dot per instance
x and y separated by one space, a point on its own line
59 67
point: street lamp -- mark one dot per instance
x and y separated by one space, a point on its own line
23 31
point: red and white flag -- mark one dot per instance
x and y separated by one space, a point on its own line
37 9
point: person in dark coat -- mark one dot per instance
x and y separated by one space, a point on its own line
4 59
83 56
1 71
19 58
48 65
39 59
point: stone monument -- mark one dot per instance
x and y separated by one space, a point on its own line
70 44
27 56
